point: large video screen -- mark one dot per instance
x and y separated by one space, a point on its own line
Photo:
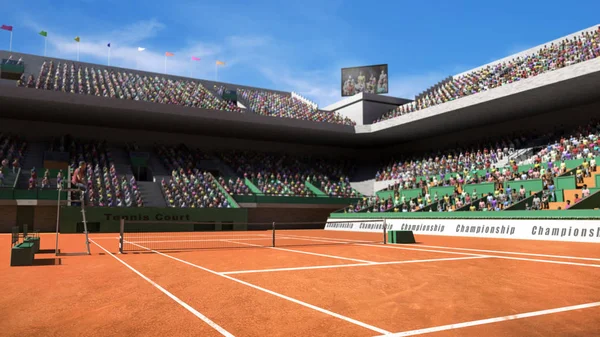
369 79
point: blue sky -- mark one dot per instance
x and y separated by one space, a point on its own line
295 45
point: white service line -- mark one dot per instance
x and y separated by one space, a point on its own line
472 254
173 297
358 243
203 240
493 320
303 252
516 253
319 309
133 236
349 265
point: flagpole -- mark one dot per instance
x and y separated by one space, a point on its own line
108 56
77 51
10 43
45 44
165 64
216 72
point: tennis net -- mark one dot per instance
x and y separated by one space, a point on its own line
138 236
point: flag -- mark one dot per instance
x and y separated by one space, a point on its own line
169 54
77 38
194 58
220 63
5 27
141 49
44 33
108 45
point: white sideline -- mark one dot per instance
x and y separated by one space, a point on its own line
303 252
468 249
493 320
516 253
203 240
469 254
349 265
173 297
319 309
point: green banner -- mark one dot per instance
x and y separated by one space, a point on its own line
107 219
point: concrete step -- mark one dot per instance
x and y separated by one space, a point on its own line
151 194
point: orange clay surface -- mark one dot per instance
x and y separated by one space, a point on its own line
439 281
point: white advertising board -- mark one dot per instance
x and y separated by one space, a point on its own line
549 230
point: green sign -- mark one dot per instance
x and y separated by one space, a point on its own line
109 218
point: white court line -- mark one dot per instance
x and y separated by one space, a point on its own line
349 265
471 249
173 297
150 237
470 254
303 252
203 240
516 253
319 309
494 320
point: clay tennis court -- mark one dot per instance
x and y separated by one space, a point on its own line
441 286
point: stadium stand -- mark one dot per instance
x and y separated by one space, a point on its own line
100 81
548 58
12 150
450 181
278 105
188 186
513 169
104 186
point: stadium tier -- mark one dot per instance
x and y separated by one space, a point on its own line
556 55
542 161
85 79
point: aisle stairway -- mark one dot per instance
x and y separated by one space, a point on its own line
33 157
151 194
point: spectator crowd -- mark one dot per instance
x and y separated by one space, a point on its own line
279 105
568 51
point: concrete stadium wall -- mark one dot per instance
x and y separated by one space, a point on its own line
365 108
541 123
290 215
546 79
8 218
43 131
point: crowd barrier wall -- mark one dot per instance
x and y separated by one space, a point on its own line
573 226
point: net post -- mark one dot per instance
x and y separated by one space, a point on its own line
384 231
57 221
121 232
273 230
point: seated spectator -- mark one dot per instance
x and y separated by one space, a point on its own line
59 180
45 183
32 183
